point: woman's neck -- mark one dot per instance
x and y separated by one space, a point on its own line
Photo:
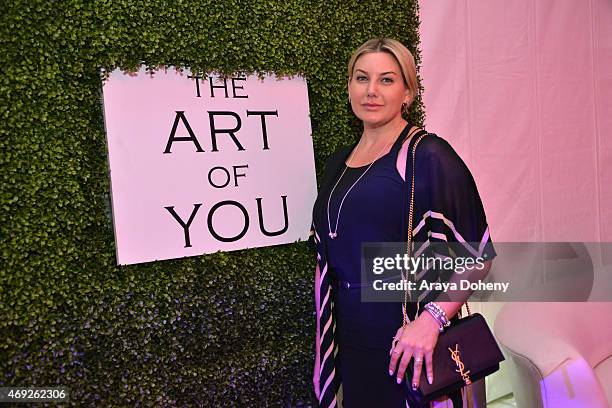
373 137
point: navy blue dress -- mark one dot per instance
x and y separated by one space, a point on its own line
370 213
376 210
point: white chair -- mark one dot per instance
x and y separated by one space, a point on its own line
560 353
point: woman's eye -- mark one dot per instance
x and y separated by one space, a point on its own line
387 80
361 78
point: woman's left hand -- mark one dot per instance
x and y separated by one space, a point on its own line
415 340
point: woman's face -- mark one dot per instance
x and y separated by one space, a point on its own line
377 89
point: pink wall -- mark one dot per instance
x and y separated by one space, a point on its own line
522 90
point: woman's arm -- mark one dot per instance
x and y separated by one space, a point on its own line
453 302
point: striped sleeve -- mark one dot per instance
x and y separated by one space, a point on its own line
452 210
326 326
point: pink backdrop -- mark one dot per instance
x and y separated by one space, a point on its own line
522 90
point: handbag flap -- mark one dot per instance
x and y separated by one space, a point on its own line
466 351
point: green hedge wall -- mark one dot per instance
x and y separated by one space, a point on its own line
220 330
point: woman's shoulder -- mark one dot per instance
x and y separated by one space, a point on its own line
338 156
434 145
442 158
437 150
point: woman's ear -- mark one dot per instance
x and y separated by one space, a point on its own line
408 97
348 89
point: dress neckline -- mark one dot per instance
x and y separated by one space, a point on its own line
368 164
393 147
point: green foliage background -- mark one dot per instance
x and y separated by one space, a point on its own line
222 330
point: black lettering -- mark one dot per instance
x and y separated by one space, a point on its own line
227 175
261 221
236 175
234 87
185 226
192 137
263 124
197 81
213 87
212 212
214 130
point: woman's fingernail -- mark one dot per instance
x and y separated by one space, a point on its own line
414 386
390 372
430 379
399 380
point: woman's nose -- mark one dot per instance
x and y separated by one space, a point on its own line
372 88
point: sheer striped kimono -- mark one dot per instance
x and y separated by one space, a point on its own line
447 209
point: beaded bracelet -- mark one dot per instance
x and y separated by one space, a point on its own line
444 320
437 320
438 314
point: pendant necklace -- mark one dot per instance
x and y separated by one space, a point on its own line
333 234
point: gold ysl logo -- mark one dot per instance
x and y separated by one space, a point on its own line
460 367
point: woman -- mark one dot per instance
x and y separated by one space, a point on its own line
363 198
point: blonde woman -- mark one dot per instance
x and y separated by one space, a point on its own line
363 198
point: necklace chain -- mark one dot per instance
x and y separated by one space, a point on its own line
333 234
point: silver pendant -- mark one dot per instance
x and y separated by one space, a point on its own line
333 235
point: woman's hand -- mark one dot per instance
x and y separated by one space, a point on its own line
415 340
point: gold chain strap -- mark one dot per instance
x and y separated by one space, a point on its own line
405 274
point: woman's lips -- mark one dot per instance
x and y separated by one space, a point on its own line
371 105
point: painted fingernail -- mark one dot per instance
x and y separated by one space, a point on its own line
399 380
414 386
390 372
430 379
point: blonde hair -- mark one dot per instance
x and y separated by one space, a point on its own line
402 55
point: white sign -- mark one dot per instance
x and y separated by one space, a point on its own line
202 164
